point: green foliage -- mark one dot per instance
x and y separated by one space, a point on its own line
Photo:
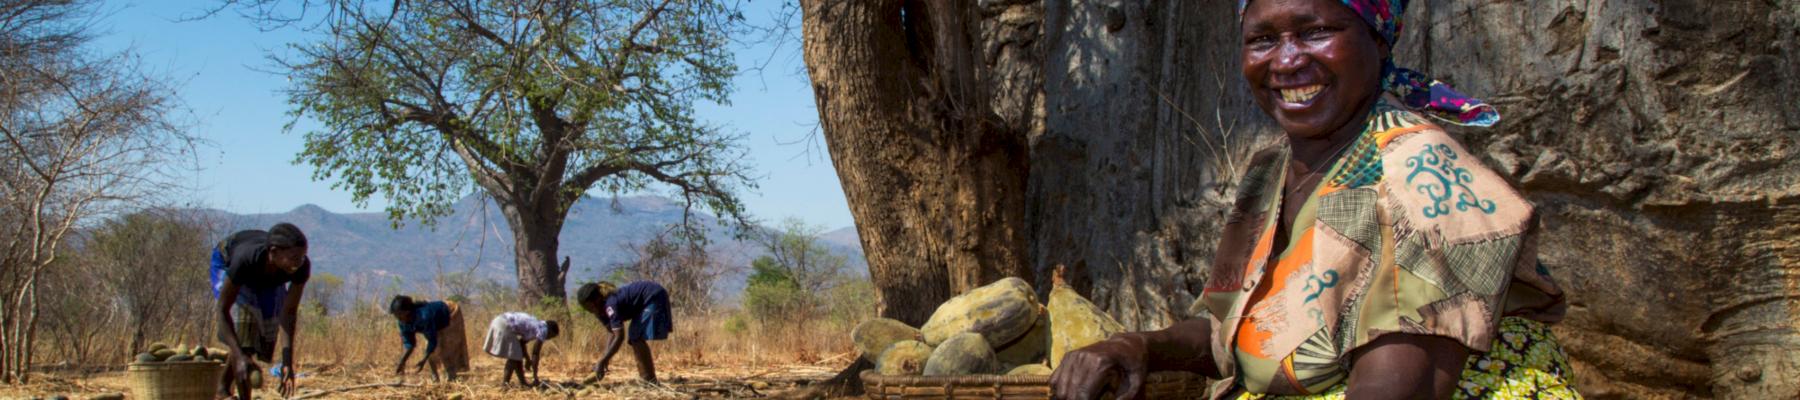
772 296
522 98
851 303
799 279
736 324
765 271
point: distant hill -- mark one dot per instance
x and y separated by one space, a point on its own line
597 236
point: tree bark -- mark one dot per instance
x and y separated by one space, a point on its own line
536 231
1126 189
934 176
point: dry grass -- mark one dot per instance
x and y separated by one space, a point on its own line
681 381
701 359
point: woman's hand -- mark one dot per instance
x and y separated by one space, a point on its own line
1120 362
241 369
288 386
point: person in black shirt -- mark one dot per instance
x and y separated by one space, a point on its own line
645 304
263 274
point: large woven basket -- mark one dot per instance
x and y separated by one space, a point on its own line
1160 385
175 380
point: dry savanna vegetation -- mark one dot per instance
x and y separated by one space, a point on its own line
100 255
136 282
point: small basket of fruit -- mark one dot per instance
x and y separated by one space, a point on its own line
176 373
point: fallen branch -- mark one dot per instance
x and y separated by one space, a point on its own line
350 388
836 357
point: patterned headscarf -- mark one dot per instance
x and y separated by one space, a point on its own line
1415 89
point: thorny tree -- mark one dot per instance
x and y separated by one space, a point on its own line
534 101
148 262
81 134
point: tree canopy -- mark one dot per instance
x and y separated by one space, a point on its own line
535 101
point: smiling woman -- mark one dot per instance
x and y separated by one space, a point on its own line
1368 258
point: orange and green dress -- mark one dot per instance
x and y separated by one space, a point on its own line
1407 233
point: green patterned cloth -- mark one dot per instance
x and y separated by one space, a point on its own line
1526 363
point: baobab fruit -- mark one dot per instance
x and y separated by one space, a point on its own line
963 354
906 357
1074 321
1000 312
875 335
1031 348
1030 369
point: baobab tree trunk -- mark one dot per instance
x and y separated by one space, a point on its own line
536 232
934 175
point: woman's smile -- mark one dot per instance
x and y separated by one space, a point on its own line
1300 97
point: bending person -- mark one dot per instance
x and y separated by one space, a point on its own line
258 278
645 304
442 324
510 335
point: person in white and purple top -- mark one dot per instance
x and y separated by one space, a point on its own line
645 304
508 336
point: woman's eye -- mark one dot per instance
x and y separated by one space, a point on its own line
1261 42
1317 33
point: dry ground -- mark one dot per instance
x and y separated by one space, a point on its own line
681 381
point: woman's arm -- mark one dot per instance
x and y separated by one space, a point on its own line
227 328
1129 357
289 319
614 338
400 367
431 342
537 357
1406 366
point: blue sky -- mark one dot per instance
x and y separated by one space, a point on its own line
218 68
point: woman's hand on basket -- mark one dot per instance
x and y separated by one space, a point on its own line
1086 373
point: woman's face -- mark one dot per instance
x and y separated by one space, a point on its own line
592 307
287 259
1313 65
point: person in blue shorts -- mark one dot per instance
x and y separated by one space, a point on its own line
645 304
257 280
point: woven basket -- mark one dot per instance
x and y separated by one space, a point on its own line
175 380
1160 385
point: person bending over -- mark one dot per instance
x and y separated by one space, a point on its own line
257 280
645 305
510 335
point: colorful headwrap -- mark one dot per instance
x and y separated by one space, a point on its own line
1415 89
